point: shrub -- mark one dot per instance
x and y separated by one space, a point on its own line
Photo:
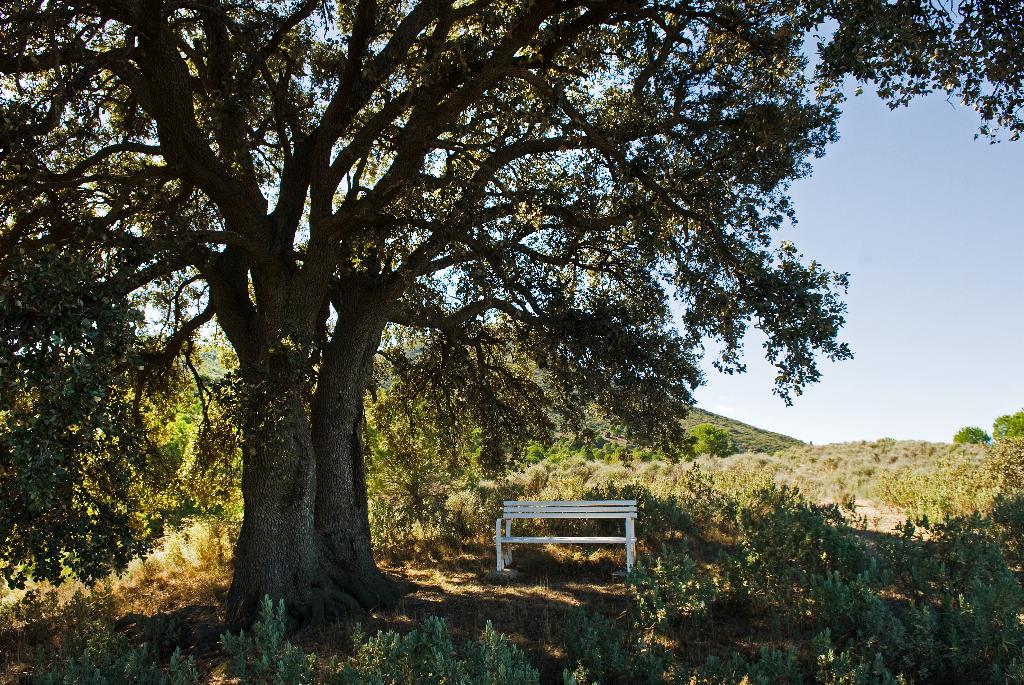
605 653
840 668
800 570
595 645
264 656
108 659
786 540
1006 465
496 661
466 515
60 624
963 618
1008 517
956 485
427 656
852 611
668 592
771 667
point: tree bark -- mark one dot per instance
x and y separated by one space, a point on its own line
305 534
341 507
276 553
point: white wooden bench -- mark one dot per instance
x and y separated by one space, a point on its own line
608 509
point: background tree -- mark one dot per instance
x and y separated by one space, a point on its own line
1009 426
413 461
972 435
711 440
496 201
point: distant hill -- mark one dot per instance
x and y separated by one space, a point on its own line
745 437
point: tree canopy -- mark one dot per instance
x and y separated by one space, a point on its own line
514 210
972 435
711 440
1009 426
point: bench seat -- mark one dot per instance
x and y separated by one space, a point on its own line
560 539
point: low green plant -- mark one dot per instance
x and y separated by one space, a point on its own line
1008 518
603 652
109 659
427 656
496 661
595 646
955 485
841 668
769 667
263 656
667 591
786 541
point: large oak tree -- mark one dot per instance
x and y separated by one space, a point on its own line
500 200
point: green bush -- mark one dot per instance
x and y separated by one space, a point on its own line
263 656
957 484
840 668
496 661
1008 517
798 570
605 653
108 659
427 656
423 656
1006 465
770 667
746 562
785 542
595 645
668 592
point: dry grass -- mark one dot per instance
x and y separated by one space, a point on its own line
839 471
190 566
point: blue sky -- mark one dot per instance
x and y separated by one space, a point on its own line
929 223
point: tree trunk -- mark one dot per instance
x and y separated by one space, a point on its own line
341 512
276 553
305 535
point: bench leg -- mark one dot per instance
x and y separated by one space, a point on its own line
630 545
500 561
507 551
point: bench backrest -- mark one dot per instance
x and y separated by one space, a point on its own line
599 509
